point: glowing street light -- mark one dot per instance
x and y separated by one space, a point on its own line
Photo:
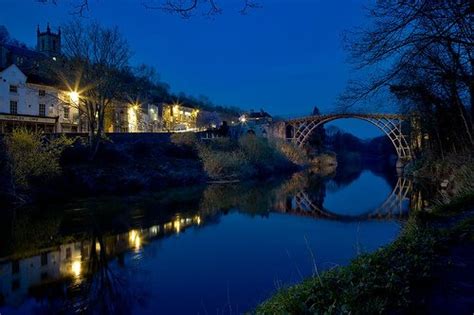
74 96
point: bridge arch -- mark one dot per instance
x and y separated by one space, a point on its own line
392 207
389 124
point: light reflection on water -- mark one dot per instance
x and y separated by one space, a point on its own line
217 249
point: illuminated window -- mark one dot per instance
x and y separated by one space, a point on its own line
42 110
66 112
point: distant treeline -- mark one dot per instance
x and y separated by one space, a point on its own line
344 143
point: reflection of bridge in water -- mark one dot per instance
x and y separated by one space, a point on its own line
393 207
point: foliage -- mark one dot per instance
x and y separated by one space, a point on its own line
291 152
372 284
222 164
257 149
184 138
456 169
421 51
317 137
31 157
248 157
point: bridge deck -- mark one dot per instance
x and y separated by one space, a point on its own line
346 115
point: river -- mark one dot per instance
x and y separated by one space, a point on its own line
217 249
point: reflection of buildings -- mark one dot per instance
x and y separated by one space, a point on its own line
70 261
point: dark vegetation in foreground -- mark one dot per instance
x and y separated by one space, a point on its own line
398 278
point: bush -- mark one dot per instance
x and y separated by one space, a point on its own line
184 138
30 157
292 152
222 164
258 150
251 156
377 283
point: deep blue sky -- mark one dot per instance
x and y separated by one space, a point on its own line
285 58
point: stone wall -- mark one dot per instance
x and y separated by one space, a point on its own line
277 129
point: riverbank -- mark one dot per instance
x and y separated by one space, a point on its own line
128 167
410 275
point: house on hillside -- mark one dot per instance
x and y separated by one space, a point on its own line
256 123
178 117
35 103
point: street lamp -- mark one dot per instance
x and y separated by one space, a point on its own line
74 96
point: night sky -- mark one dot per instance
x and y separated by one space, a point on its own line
285 57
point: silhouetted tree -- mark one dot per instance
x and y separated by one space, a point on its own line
422 51
183 8
317 137
97 60
224 129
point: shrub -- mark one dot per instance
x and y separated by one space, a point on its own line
222 164
223 144
376 283
31 158
184 138
258 150
292 152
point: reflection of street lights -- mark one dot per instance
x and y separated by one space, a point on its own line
76 268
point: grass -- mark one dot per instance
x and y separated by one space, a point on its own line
249 157
383 281
371 284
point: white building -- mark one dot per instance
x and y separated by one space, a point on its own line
30 103
150 120
256 123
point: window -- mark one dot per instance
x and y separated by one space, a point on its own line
13 89
13 107
66 112
41 92
44 259
42 110
68 253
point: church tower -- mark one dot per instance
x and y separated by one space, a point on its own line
48 43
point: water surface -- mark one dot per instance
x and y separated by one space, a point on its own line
216 249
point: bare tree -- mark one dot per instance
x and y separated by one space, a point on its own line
97 57
183 8
422 51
